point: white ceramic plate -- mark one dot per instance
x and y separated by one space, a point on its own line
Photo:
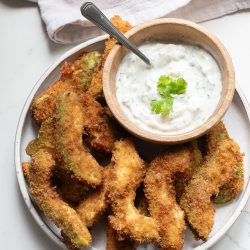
236 120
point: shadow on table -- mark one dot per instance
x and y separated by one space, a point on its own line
18 3
41 238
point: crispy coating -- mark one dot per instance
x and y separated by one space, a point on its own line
80 72
113 243
45 138
76 75
160 193
26 174
95 88
49 202
126 174
233 188
71 151
182 179
43 106
101 134
91 208
216 170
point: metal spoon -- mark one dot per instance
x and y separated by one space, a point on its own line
93 14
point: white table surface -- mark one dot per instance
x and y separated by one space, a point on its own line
25 53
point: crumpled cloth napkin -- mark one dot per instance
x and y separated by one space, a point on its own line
65 24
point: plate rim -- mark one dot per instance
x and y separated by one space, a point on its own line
17 155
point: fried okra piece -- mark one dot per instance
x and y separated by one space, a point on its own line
77 76
71 151
95 88
126 174
160 193
182 179
217 170
112 243
233 188
45 196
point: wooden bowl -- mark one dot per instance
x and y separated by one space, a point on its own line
174 31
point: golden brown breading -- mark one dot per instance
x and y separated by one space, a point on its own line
80 72
43 106
49 202
112 243
26 174
45 138
73 76
70 149
126 174
97 125
160 193
234 187
182 179
95 204
217 169
95 88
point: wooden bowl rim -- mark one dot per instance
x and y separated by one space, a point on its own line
178 138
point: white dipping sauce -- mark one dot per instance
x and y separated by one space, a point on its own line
136 87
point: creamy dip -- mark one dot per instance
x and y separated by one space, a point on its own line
136 87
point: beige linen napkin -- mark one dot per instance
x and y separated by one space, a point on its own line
65 23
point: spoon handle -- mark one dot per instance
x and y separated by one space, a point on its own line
93 14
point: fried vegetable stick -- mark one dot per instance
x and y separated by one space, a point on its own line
113 243
160 193
95 88
81 71
74 76
126 174
101 134
45 138
71 151
66 218
182 179
91 208
217 169
233 188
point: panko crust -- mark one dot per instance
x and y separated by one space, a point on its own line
217 169
234 187
160 192
70 149
126 174
65 217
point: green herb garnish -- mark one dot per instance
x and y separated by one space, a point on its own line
167 86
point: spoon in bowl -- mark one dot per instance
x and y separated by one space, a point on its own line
93 14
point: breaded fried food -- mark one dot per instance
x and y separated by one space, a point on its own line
45 196
81 71
216 170
45 138
160 193
70 149
126 174
91 208
25 168
76 75
97 125
113 243
95 88
182 179
233 188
